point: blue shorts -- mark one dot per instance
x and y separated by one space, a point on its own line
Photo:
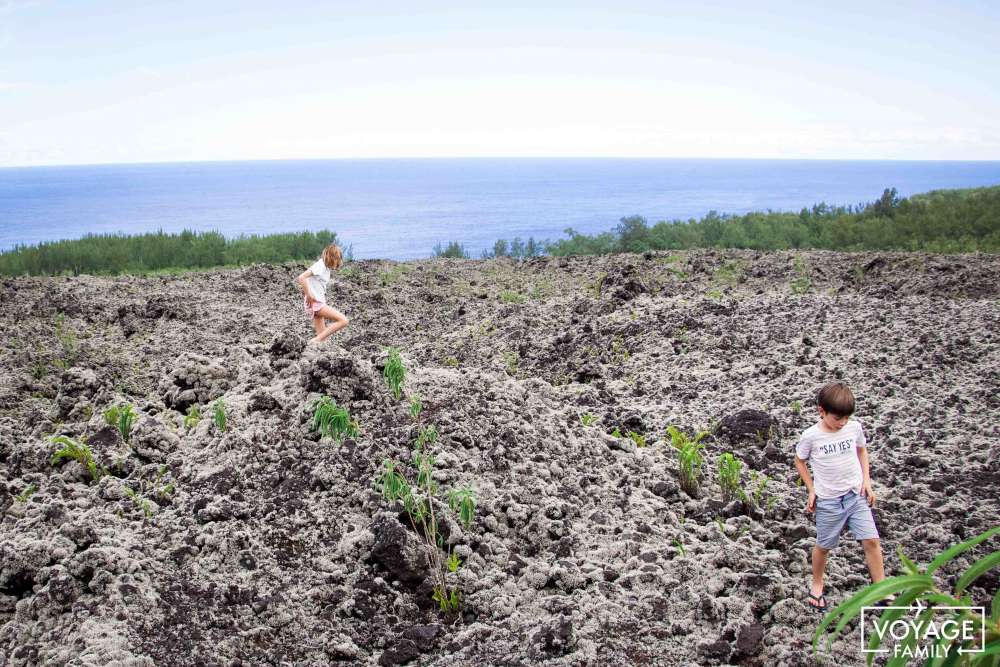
850 510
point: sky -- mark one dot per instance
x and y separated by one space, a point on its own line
88 82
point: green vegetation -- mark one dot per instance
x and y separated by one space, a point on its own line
66 337
416 407
117 253
965 220
122 418
729 476
795 407
919 599
331 420
27 493
802 283
193 417
454 249
689 457
637 438
516 249
394 373
508 296
419 493
753 495
219 414
587 419
71 449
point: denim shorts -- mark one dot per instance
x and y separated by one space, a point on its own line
850 510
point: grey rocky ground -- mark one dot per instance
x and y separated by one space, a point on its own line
266 544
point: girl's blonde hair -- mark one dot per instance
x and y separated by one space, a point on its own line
332 256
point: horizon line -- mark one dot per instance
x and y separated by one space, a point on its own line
416 158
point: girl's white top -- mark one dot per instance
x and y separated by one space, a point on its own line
318 280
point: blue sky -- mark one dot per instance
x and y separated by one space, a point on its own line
105 82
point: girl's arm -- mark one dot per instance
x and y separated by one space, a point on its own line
304 286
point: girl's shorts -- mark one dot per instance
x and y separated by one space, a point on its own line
850 511
314 308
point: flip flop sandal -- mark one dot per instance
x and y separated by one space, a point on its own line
820 605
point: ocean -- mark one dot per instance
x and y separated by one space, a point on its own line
401 208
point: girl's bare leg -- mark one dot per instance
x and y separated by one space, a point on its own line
339 322
318 324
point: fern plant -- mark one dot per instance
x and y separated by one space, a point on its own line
331 420
729 475
122 418
71 449
418 499
219 414
920 597
689 456
394 373
193 417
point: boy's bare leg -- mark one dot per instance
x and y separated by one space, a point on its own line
339 322
819 556
873 557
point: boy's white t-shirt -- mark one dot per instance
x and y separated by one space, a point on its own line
833 458
318 280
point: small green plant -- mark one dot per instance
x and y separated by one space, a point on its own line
508 296
619 352
598 284
715 294
802 283
394 373
126 417
753 495
795 407
587 419
729 476
416 407
67 339
920 597
219 414
27 493
616 433
419 498
637 438
450 362
139 501
510 360
71 449
193 417
331 420
731 273
689 457
680 546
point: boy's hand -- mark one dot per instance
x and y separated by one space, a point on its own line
811 504
866 491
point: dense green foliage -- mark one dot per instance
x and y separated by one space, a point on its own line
454 250
517 248
118 253
937 221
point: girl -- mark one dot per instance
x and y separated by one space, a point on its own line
313 282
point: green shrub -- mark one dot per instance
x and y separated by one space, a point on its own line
416 407
729 476
508 296
637 438
71 449
795 407
219 414
333 421
26 494
919 595
689 457
121 418
454 250
193 417
587 419
418 493
394 373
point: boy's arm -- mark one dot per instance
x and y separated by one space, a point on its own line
803 469
866 480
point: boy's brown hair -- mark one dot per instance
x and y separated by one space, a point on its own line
332 256
836 398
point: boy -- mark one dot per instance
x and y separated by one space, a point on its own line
839 485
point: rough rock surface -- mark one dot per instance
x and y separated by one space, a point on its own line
266 544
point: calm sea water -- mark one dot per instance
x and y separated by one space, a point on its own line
400 209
